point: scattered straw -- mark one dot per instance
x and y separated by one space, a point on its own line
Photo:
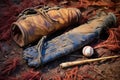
10 66
113 41
30 75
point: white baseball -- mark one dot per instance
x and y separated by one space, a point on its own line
88 51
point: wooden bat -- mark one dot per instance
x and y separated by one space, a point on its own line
73 63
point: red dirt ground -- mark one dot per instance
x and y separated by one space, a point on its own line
13 67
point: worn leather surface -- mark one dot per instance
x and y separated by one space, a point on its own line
38 22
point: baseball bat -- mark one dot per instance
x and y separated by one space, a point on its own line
73 63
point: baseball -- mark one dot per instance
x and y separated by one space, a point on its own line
88 51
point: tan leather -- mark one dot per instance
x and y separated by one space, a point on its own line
30 28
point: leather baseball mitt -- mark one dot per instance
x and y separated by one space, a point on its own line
34 23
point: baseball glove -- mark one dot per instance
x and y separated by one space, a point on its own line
34 23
